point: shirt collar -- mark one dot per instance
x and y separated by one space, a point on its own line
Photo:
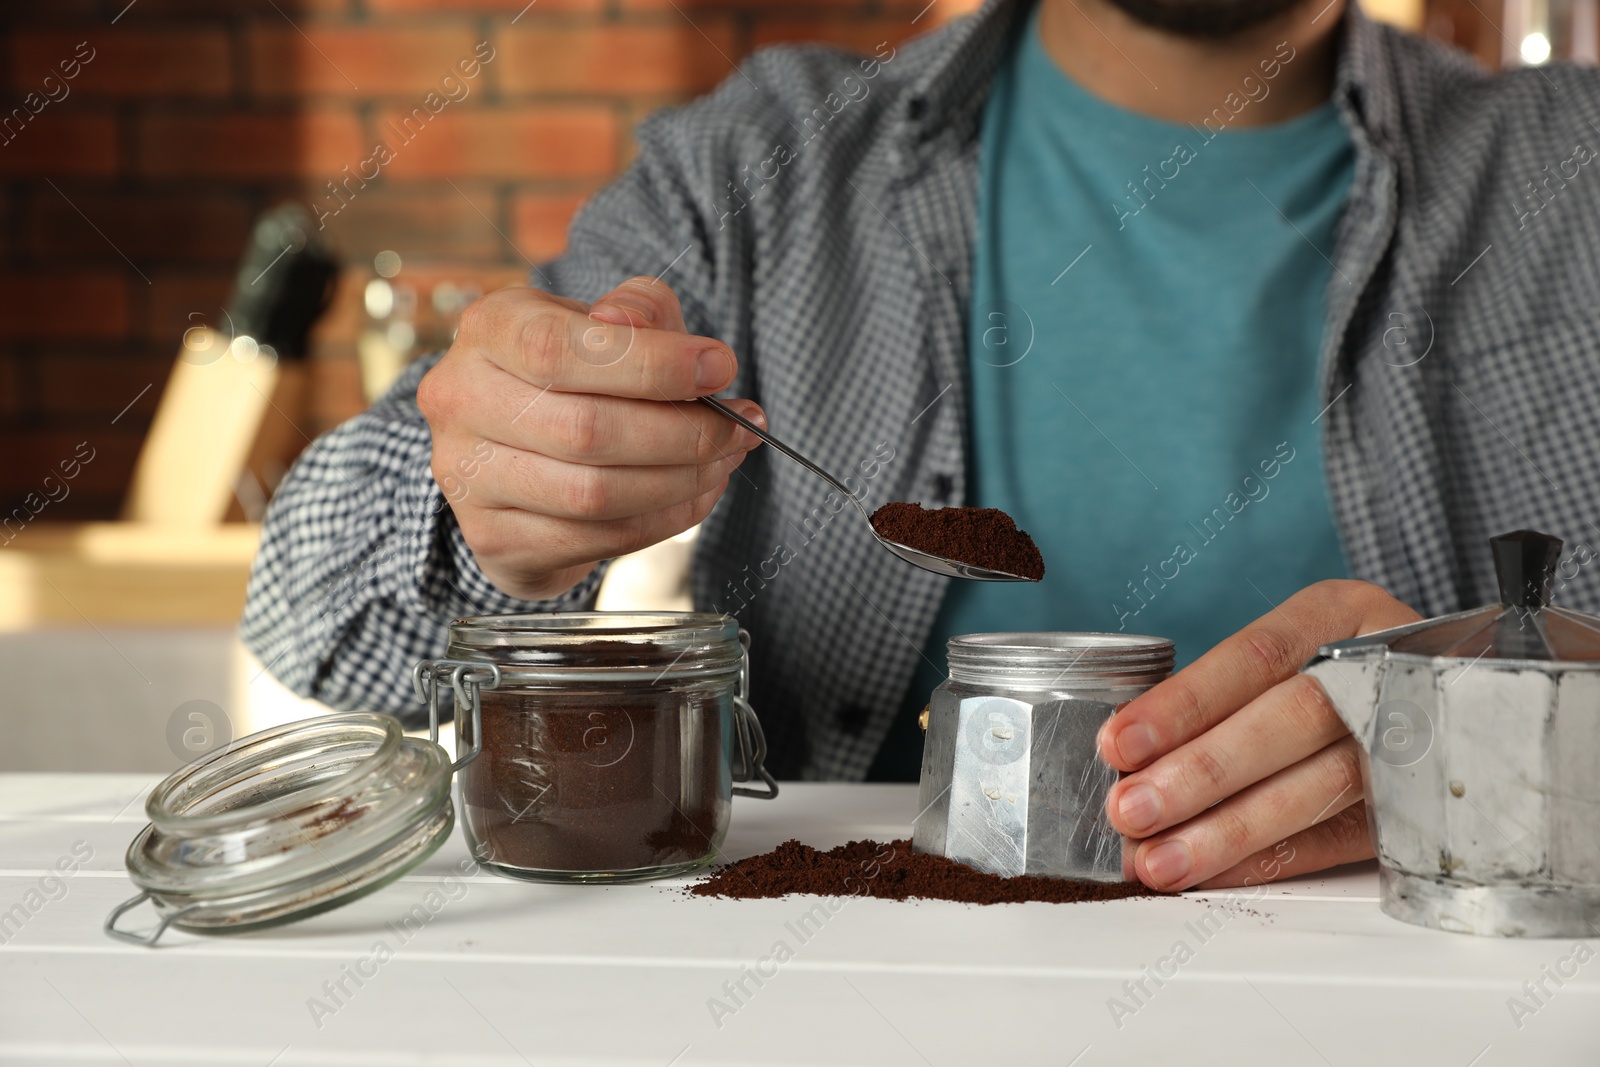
1363 83
964 57
955 80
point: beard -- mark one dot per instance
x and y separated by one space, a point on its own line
1205 18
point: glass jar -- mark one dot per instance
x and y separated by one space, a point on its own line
1012 779
286 823
602 746
617 736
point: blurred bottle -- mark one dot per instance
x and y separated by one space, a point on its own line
389 340
406 318
1536 32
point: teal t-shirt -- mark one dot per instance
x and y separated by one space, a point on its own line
1147 315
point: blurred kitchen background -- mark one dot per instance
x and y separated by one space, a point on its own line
143 431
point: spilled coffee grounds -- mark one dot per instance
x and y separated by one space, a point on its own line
980 537
893 871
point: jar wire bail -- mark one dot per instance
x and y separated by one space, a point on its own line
146 940
467 681
747 731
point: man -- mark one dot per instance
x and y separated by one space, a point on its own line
1219 298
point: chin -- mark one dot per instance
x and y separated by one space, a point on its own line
1206 19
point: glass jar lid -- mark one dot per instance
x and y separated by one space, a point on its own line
287 823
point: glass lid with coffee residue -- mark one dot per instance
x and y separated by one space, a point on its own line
1523 626
287 823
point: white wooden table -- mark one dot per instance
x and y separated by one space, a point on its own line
510 973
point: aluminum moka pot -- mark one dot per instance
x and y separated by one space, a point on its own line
1480 740
1012 782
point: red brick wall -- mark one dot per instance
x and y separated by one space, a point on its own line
126 198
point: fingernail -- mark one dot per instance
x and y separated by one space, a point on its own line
1139 808
630 312
1135 743
751 413
712 369
1169 864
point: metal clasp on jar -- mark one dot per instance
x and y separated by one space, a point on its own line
747 733
467 680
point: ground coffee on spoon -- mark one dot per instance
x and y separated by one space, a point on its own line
980 537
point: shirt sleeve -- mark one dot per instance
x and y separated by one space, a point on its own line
362 565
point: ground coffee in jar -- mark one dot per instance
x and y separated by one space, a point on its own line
608 747
594 782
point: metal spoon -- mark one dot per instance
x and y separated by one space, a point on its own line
954 568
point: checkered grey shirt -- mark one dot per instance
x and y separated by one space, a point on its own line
1461 366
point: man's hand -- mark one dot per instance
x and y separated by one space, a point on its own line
1244 773
560 435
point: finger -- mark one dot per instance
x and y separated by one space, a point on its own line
538 556
486 402
1283 726
546 344
1341 838
516 291
1249 663
529 481
613 431
641 301
602 430
1269 811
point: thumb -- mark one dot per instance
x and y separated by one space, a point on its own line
643 303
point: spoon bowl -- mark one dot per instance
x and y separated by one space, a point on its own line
952 568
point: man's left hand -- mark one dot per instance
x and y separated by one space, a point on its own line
1242 771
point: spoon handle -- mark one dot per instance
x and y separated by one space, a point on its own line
786 450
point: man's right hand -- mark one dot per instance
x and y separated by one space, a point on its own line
561 436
